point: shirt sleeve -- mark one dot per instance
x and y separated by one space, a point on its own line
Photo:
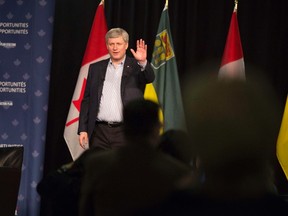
142 66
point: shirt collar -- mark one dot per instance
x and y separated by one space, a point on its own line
121 63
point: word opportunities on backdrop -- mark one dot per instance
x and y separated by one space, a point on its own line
25 59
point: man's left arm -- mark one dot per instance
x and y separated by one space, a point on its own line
141 57
148 72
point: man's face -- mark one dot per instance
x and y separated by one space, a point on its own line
117 49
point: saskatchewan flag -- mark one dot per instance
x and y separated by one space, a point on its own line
166 89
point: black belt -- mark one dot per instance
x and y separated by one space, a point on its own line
110 123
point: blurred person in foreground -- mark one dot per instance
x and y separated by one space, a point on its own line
234 127
137 176
176 143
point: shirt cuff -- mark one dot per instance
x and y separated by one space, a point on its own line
142 66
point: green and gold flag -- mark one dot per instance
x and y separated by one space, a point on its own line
166 88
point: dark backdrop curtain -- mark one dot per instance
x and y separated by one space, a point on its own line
199 29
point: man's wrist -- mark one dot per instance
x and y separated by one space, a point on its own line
142 63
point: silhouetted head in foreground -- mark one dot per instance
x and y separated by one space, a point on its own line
141 121
234 126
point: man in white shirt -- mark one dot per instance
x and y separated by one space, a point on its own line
111 84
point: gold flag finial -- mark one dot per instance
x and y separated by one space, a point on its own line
235 5
166 4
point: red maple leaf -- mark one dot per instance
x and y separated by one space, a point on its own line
77 103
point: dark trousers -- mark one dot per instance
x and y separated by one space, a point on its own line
107 137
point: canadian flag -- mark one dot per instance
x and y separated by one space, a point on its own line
95 51
232 65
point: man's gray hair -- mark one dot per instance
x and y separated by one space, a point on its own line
117 32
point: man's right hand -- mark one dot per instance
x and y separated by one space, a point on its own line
83 140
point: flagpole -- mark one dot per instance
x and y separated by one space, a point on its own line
166 4
235 5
